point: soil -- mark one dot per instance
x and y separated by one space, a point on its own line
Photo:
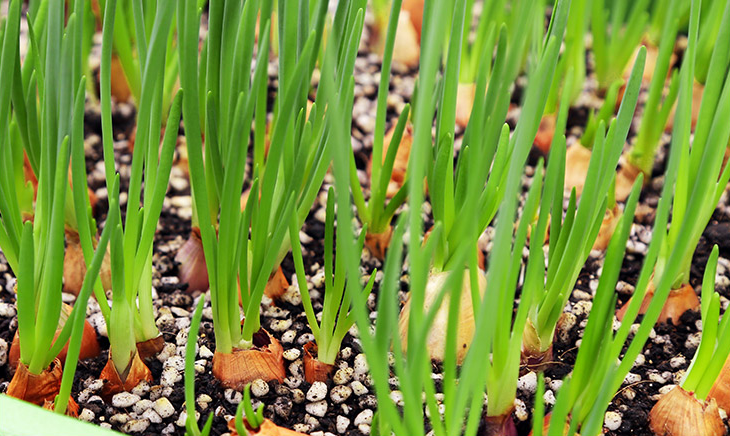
666 355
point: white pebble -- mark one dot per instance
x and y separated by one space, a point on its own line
340 393
142 405
631 378
527 383
233 397
7 310
360 365
142 388
152 416
120 418
3 352
259 388
124 399
288 337
281 325
364 417
549 398
170 376
292 354
203 401
86 415
205 352
136 426
521 410
342 423
612 421
318 408
317 392
343 376
164 407
358 388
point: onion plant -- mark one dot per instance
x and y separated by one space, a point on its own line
611 375
571 69
133 319
34 245
692 397
463 399
575 402
701 180
572 236
79 313
191 350
336 317
283 184
616 34
133 23
375 213
658 106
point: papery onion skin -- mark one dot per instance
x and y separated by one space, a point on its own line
679 413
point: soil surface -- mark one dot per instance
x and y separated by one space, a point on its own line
345 404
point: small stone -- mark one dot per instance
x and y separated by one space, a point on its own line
167 351
120 418
142 388
97 384
521 410
340 394
152 416
288 337
555 385
164 407
3 352
142 405
631 378
259 388
364 429
317 392
346 353
297 396
397 397
581 295
693 341
283 407
343 376
301 428
123 400
658 378
318 408
86 415
629 394
280 325
203 400
582 308
170 376
233 397
342 423
527 383
205 352
364 417
292 354
135 426
7 310
170 429
666 389
549 398
360 365
293 382
358 388
612 421
184 417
